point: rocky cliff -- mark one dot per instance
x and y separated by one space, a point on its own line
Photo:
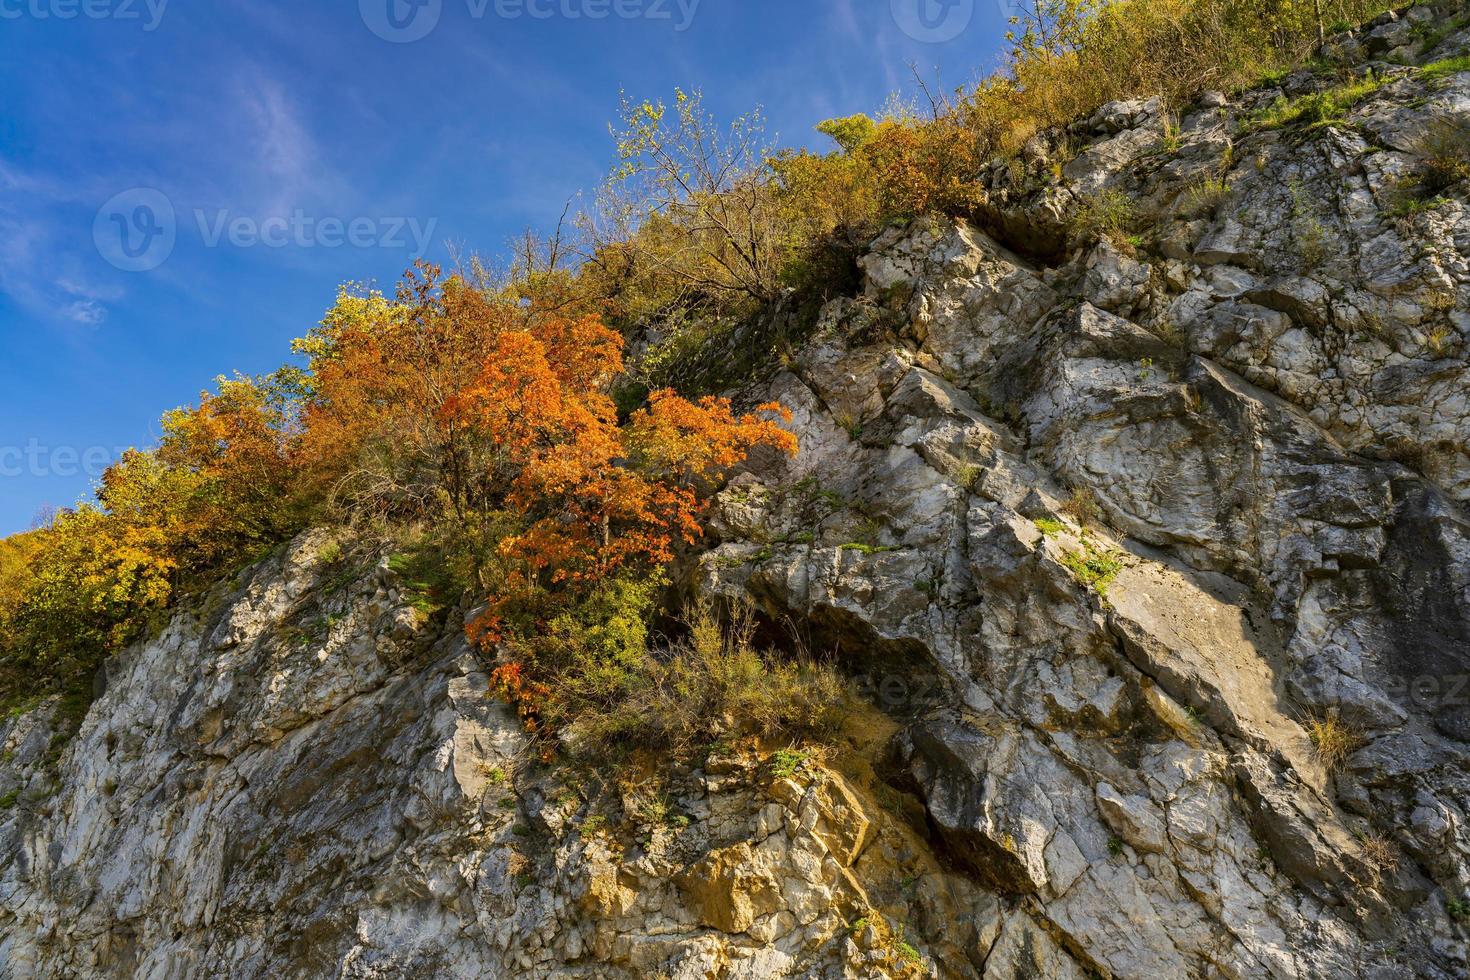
1149 547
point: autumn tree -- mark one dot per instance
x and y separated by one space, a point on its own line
462 406
594 499
690 201
1050 28
93 587
17 552
380 371
165 522
236 449
589 510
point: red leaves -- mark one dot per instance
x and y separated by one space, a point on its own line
597 497
510 684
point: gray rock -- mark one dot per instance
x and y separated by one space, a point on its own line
1119 537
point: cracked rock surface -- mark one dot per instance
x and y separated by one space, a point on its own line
1109 530
1152 512
309 781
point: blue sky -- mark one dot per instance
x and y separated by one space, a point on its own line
297 121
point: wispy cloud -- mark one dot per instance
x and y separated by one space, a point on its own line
41 268
286 160
845 15
262 161
86 312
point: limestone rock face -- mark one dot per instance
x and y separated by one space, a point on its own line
306 779
1117 530
1114 534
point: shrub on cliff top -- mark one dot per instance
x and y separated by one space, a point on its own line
447 405
164 522
702 224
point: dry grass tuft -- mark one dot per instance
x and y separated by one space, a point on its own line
1333 740
1380 855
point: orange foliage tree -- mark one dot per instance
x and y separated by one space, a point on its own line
483 416
380 371
490 417
165 521
237 449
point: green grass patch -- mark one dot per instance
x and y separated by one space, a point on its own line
868 549
428 586
1326 108
1050 526
1095 567
1443 69
1109 214
1205 197
1409 207
789 763
19 705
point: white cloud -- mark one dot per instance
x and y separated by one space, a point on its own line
31 255
846 16
282 159
86 312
